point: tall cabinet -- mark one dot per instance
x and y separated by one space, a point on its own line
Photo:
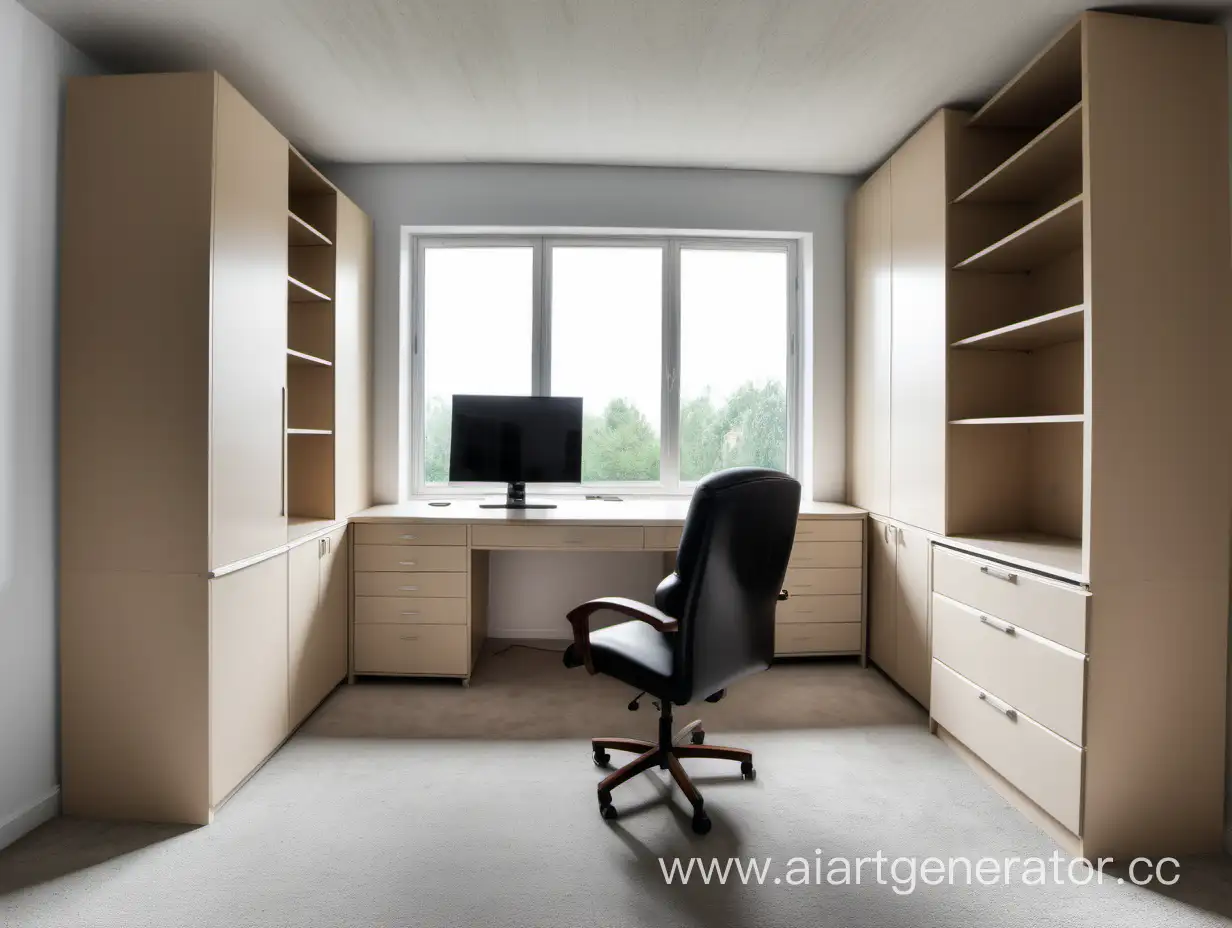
183 493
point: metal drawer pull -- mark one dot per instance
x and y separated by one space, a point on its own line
407 537
406 563
1008 711
408 589
999 574
408 613
409 637
999 626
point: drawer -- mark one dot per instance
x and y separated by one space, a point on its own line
827 638
408 533
594 537
1050 608
1045 766
391 584
842 608
822 581
663 537
410 557
441 650
409 611
829 530
827 554
1040 678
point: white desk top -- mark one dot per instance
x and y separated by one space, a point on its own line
635 511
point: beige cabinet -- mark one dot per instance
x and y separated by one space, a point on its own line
899 558
317 621
352 369
248 671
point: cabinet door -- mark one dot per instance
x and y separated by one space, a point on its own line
248 671
913 651
352 349
870 311
248 333
882 596
918 329
317 633
303 602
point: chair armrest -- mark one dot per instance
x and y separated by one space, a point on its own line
579 618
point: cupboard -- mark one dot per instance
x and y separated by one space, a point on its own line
899 564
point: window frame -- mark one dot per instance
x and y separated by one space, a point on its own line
669 482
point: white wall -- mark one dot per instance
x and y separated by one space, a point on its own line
33 64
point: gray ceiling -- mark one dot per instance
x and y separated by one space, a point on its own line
807 85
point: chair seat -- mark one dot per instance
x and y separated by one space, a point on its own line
632 652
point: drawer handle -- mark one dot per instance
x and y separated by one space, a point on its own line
407 537
999 574
999 626
408 613
408 589
409 637
1008 711
406 563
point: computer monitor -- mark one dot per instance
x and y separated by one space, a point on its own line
516 440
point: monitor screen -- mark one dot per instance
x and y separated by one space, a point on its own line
516 439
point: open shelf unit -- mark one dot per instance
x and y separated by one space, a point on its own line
1054 328
311 262
1043 164
1035 244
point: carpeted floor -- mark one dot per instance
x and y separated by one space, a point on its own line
426 804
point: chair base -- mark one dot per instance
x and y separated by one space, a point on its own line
666 755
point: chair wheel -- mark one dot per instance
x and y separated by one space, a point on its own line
698 736
601 758
609 812
747 770
701 822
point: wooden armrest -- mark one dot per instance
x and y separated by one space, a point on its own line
579 618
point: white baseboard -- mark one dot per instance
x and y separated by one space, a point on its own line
551 633
29 818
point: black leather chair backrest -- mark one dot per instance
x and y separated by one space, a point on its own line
729 570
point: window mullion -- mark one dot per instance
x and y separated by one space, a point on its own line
669 454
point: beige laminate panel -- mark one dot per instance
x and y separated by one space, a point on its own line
248 671
597 537
810 581
248 326
134 323
663 537
918 326
352 350
809 530
827 554
303 601
870 320
883 595
376 610
452 585
841 608
1049 608
819 638
412 649
1031 673
411 533
913 656
410 558
134 659
317 637
329 664
1046 767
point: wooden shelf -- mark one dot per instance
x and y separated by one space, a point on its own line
1036 168
308 360
304 178
300 292
1050 554
310 431
1018 420
1041 91
1057 231
300 232
1056 328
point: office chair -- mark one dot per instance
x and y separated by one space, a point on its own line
712 623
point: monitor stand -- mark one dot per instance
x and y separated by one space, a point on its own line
515 498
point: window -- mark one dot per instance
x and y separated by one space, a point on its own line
683 351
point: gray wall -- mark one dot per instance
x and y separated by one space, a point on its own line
33 64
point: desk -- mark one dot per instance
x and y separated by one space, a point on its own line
419 585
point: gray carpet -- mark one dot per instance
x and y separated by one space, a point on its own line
387 810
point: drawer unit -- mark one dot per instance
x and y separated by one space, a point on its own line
829 530
827 554
1045 766
1043 679
1055 610
804 609
409 610
817 638
594 537
814 581
435 650
410 533
663 537
410 558
397 584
